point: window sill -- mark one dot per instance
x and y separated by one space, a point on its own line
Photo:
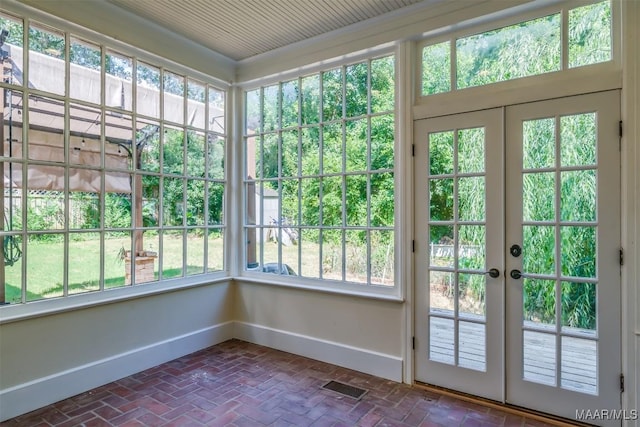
326 286
17 312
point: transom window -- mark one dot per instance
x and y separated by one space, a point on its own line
525 49
113 167
319 175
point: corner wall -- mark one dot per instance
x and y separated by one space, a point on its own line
49 358
354 332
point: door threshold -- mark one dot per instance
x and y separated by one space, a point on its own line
505 407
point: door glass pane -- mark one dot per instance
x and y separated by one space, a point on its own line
578 140
471 295
579 307
538 143
441 199
538 249
578 369
539 355
442 291
441 340
539 303
472 346
471 150
578 195
441 153
471 247
538 196
471 198
578 251
441 246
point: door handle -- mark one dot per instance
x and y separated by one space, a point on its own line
494 272
517 274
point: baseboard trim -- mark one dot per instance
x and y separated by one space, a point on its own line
369 362
29 396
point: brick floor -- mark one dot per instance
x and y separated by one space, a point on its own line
241 384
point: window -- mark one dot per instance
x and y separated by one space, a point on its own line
319 175
525 49
113 168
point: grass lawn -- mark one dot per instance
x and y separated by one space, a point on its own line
45 269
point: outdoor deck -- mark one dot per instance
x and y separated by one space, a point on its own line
578 366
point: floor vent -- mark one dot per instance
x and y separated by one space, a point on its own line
345 389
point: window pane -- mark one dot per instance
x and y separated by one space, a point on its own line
148 90
173 86
538 249
290 201
356 200
150 200
538 143
382 141
310 151
382 200
173 151
441 253
215 250
253 116
436 68
118 80
13 268
147 264
12 193
85 136
356 145
590 34
118 135
14 38
215 157
310 261
310 201
172 254
332 95
84 262
195 104
310 99
45 277
356 89
525 49
195 154
382 257
84 208
45 209
216 121
471 247
332 255
46 129
270 108
578 248
270 159
441 199
383 84
46 59
290 104
216 203
195 252
195 202
578 195
117 210
84 74
117 272
148 146
12 123
332 148
538 196
579 306
289 162
172 201
332 200
471 198
356 256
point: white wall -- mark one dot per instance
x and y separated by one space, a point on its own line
358 333
49 358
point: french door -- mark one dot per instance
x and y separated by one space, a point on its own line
517 253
